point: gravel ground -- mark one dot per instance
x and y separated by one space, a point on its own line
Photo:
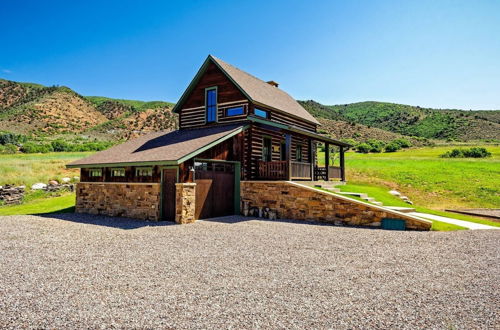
82 271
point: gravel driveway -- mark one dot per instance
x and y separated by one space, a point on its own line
72 270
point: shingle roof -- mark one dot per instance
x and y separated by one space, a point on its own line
161 146
264 93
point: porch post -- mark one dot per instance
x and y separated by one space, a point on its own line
311 158
288 141
342 164
327 160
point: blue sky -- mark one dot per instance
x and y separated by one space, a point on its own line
442 54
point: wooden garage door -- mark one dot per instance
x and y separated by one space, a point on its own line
214 190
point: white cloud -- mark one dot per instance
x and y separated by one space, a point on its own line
6 71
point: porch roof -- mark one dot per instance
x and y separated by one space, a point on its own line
161 148
299 130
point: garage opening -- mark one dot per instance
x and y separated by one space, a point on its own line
215 189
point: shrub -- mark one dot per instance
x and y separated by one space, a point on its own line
61 145
376 145
9 148
32 148
474 152
403 143
392 147
363 148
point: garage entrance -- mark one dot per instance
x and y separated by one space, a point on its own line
215 189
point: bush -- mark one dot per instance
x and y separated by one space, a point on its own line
33 148
61 145
475 152
363 148
11 138
392 147
9 148
376 145
403 143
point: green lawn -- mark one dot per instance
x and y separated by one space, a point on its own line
61 204
31 168
428 180
381 194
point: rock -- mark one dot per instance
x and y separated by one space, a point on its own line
394 193
76 178
404 198
409 202
38 186
10 194
66 180
53 183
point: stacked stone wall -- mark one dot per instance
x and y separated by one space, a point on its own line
185 203
289 200
132 200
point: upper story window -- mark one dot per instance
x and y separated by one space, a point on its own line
261 113
211 104
236 111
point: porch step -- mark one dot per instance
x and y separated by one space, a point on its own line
401 209
335 190
378 203
360 195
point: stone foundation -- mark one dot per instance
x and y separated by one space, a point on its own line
289 200
131 200
185 195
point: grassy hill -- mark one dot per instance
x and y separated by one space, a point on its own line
413 120
41 111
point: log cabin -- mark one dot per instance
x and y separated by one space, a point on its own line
233 127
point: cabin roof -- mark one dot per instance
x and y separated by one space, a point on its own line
161 147
257 91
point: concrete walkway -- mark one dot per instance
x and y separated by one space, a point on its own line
466 224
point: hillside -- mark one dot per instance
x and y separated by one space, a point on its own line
38 110
413 120
42 111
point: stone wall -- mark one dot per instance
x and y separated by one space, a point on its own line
10 194
132 200
185 202
290 200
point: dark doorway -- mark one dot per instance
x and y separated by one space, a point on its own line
214 190
168 194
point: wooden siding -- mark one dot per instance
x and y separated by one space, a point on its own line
192 113
284 118
254 140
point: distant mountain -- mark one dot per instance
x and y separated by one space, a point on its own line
46 111
413 120
41 111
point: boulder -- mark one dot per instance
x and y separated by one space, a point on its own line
394 193
53 183
65 180
76 178
38 186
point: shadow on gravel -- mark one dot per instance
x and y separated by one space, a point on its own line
234 219
100 220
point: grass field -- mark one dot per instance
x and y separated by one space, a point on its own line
430 181
60 204
31 168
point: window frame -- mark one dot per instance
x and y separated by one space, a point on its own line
92 172
112 172
261 110
144 168
242 107
216 118
270 152
297 148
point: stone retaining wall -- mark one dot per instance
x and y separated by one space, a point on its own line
132 200
290 200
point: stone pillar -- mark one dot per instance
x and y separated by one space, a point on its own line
185 202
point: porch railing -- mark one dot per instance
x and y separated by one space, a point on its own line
301 171
334 172
277 170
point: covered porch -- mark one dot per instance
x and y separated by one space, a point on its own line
290 169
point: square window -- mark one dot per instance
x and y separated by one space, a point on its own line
95 172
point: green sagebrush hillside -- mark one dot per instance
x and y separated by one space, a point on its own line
413 120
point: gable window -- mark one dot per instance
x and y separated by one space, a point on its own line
266 149
261 113
117 172
236 111
143 171
95 172
211 104
298 153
